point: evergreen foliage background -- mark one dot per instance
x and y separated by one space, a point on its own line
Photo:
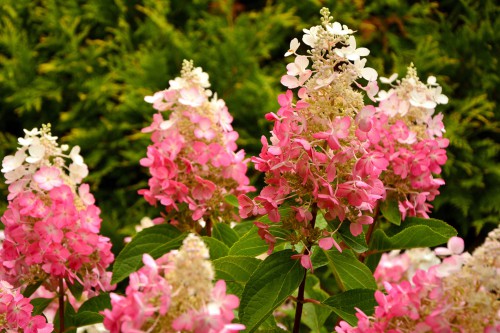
85 67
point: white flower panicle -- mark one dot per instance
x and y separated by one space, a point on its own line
193 275
334 55
38 148
415 101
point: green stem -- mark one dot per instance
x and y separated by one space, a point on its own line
302 287
61 305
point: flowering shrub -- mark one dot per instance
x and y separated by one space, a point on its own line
338 173
193 158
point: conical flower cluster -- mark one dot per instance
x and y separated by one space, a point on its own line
312 160
404 131
51 223
193 161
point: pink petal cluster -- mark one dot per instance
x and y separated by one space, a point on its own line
16 312
404 135
147 296
193 159
458 294
161 297
52 225
314 160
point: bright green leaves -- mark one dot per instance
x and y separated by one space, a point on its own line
236 271
413 232
273 281
349 272
156 241
344 304
89 312
40 304
356 243
250 244
390 211
225 234
216 248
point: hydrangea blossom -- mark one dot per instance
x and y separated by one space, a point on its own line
193 160
16 312
405 133
458 294
51 223
174 293
312 159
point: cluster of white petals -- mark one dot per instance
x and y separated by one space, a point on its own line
414 100
38 148
334 55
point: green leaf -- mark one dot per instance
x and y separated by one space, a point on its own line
235 270
318 257
232 200
84 318
31 288
321 222
69 323
243 227
356 243
349 272
315 315
96 304
373 260
40 304
273 281
156 241
225 234
250 244
216 248
76 288
344 304
390 210
413 232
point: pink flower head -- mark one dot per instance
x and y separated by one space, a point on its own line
193 158
52 224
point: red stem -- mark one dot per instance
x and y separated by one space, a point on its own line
61 306
302 287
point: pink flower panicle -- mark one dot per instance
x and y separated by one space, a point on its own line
404 131
160 298
314 162
457 294
193 158
16 312
51 223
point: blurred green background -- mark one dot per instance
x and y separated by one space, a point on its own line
85 66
